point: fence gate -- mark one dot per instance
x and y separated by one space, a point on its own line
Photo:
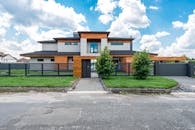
174 69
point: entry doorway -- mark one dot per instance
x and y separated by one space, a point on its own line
86 68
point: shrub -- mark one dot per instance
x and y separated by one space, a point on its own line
104 65
141 65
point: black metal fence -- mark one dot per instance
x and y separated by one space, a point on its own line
122 69
36 69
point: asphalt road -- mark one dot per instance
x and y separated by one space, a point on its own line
62 111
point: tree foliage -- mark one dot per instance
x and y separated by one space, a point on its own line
141 65
104 65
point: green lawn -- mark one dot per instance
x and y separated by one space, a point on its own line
37 81
130 82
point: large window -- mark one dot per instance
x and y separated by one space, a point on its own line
94 47
116 43
71 43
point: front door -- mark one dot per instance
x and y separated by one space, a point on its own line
86 69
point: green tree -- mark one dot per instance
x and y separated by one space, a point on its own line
104 65
141 65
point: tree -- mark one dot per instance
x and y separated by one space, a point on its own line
104 65
141 65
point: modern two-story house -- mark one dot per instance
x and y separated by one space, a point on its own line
84 47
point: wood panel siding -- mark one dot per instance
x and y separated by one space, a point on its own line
61 59
93 35
77 68
159 58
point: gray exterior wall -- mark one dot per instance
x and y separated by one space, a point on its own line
68 48
49 47
125 46
46 60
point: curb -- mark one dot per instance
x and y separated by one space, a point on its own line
139 90
75 84
37 89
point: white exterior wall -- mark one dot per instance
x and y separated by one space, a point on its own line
49 46
68 48
104 43
125 46
46 60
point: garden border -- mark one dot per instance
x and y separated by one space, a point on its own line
139 90
40 88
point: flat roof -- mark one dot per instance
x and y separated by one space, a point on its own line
67 38
79 32
47 41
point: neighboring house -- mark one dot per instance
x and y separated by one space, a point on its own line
83 48
7 58
23 60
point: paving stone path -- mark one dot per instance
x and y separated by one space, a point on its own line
89 84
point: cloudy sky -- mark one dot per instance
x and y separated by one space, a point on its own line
166 27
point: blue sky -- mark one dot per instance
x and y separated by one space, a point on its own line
166 27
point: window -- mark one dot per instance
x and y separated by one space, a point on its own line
52 60
93 47
116 43
71 43
40 60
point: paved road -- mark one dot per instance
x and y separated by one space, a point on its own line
62 111
89 84
187 83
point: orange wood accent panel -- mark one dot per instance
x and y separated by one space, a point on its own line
68 40
93 35
159 58
61 59
77 68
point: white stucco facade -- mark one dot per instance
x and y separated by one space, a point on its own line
46 60
49 47
68 48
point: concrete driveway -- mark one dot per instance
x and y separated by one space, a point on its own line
187 83
62 111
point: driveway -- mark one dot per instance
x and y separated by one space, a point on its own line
62 111
187 83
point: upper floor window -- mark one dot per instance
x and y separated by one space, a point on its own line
71 43
40 60
93 47
116 43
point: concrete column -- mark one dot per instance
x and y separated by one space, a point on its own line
104 43
83 46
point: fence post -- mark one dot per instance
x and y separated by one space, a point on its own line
25 67
58 69
9 69
116 67
42 69
128 68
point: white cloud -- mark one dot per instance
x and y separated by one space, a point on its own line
151 42
132 17
154 7
106 8
35 20
177 24
185 44
91 8
162 34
